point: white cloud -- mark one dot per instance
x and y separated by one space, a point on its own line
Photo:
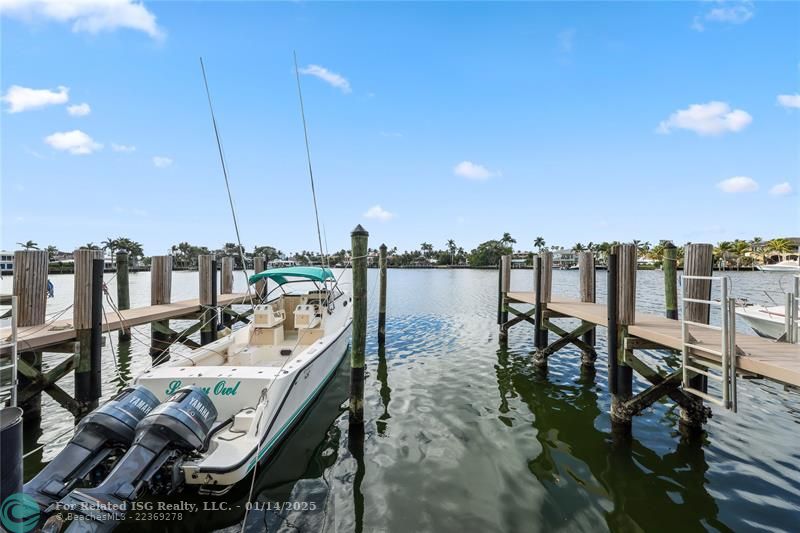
123 147
566 40
332 78
713 118
378 213
91 16
789 100
22 98
738 184
734 12
75 142
161 161
781 189
79 110
473 171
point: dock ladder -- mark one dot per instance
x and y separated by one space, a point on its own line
723 371
8 360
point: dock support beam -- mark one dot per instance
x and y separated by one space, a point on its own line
30 288
160 293
543 285
698 261
123 291
588 284
502 299
359 241
88 321
670 266
382 301
625 295
226 278
207 267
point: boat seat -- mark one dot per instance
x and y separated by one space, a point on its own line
267 326
265 316
307 316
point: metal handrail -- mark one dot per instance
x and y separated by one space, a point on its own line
12 387
727 350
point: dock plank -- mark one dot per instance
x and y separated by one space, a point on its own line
51 333
778 361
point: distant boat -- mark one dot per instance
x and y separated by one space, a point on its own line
769 322
783 266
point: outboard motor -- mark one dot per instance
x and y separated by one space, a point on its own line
173 430
104 433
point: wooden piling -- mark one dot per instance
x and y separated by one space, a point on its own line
226 279
30 288
537 313
505 286
259 265
626 260
123 290
160 293
612 306
382 296
698 260
208 288
588 291
544 276
87 319
669 265
359 241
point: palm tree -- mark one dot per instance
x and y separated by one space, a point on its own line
426 248
539 243
29 245
739 248
507 239
90 246
451 247
578 247
51 252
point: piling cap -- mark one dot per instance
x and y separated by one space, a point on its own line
383 247
359 231
669 245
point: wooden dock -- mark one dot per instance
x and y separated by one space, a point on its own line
57 332
95 312
777 361
707 352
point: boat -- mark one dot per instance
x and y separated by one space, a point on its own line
791 265
206 419
766 321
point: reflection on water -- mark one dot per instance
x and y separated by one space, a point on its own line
461 434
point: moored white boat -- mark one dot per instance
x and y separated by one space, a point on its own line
783 266
206 419
766 321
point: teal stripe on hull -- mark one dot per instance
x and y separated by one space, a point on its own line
297 413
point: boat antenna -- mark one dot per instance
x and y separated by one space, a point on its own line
308 157
227 181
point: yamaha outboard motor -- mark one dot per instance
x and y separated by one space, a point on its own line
173 430
103 434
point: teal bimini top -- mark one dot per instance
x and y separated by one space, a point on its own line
279 275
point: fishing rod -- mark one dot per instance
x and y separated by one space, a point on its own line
308 158
227 181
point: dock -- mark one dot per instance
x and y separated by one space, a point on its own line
95 314
706 352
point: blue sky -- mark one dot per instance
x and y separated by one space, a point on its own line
575 121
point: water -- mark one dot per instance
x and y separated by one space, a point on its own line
463 435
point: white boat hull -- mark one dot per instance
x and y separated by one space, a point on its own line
783 266
261 379
769 322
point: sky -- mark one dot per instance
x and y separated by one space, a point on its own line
572 121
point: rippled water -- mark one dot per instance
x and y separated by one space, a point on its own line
463 435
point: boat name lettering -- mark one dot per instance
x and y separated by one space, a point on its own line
221 388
